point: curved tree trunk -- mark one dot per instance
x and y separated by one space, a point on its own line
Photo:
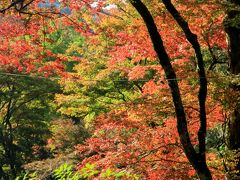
197 159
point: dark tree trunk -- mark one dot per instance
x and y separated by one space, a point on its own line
197 159
232 28
202 95
7 136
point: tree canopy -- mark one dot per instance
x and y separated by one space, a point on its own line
134 89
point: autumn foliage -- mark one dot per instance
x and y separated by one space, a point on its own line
112 84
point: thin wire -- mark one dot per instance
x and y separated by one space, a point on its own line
88 80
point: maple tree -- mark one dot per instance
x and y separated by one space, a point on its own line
25 106
139 69
120 50
160 50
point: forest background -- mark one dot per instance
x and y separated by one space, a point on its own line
119 89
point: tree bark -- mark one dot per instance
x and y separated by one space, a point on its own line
202 95
197 160
232 28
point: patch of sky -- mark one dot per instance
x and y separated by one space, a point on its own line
57 5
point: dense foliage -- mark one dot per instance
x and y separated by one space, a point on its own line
119 89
